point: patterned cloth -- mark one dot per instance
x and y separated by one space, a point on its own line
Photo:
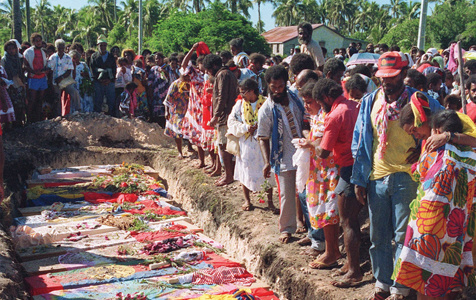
323 178
191 123
436 257
9 114
388 111
223 275
177 102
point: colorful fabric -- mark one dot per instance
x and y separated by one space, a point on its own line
223 275
59 66
250 115
436 257
386 112
142 108
241 60
323 178
177 103
191 123
419 102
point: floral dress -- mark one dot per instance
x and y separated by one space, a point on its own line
177 102
208 133
159 85
436 256
323 177
7 115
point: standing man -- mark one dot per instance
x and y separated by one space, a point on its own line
103 67
310 46
35 64
225 91
61 65
280 119
383 154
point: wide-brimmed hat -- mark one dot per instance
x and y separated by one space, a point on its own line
391 63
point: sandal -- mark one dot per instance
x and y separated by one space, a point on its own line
318 265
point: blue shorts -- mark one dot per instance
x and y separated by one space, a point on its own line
38 84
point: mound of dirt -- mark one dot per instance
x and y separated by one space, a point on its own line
83 130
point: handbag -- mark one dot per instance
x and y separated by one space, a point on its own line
17 82
232 144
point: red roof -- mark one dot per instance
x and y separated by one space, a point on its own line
283 34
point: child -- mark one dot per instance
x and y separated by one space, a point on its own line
123 75
139 78
128 100
453 102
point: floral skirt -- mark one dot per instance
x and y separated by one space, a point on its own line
320 192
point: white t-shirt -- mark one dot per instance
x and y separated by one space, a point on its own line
58 65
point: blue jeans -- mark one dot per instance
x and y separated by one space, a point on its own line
315 235
108 91
389 207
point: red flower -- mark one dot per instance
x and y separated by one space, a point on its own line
455 222
438 285
124 185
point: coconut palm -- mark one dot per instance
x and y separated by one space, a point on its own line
17 23
103 10
41 13
287 12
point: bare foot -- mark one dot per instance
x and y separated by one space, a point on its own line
224 182
349 280
199 165
284 237
215 173
311 252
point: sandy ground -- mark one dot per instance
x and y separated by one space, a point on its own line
249 236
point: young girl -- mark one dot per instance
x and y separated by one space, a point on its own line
123 75
242 123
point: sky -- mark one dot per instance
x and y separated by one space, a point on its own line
266 9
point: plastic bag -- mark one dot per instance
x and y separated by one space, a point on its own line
302 160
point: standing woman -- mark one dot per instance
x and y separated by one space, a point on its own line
176 104
242 123
12 63
82 75
129 54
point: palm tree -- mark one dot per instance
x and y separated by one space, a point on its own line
86 26
260 24
66 20
287 12
42 13
103 10
17 23
130 15
237 6
6 9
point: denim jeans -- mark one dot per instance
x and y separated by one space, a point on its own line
389 207
315 235
108 91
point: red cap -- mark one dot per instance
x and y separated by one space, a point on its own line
391 63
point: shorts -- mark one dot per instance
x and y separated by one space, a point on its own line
38 84
221 135
344 185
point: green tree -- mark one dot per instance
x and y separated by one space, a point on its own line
216 26
403 34
287 12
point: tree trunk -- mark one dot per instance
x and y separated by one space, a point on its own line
196 4
28 17
234 6
259 17
17 21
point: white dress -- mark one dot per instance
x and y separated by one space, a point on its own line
249 165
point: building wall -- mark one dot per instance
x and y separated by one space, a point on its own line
327 38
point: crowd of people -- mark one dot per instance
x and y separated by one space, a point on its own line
389 136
